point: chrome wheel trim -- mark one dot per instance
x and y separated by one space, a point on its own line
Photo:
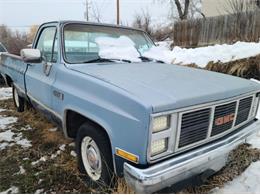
16 98
91 158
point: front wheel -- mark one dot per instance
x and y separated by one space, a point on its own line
18 101
95 156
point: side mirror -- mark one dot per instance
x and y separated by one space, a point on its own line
31 55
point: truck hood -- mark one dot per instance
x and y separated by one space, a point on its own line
166 86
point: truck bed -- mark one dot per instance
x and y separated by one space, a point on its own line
13 66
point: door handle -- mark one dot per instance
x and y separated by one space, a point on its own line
47 68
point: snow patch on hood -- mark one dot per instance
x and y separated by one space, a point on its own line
160 53
122 48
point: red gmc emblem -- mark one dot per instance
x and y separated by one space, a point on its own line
225 119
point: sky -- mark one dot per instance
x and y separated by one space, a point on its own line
21 14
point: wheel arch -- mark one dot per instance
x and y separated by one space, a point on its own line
70 114
70 129
8 80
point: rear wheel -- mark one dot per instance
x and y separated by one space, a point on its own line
95 157
18 101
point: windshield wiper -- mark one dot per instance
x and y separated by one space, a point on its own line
145 59
106 60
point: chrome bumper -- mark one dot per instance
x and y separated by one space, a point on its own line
211 157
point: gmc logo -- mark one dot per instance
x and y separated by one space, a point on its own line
225 119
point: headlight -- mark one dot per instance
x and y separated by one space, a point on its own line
159 146
255 106
160 123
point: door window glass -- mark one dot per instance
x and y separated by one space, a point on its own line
46 42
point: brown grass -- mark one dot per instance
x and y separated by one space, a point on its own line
240 160
245 68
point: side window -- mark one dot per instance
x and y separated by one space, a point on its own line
55 50
46 42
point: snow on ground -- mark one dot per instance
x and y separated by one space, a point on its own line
39 191
53 129
6 121
124 48
224 53
11 190
203 55
246 183
8 137
5 93
42 159
165 44
73 153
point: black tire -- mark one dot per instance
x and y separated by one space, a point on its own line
107 179
18 101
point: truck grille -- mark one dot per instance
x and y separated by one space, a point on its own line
209 123
194 127
243 110
221 113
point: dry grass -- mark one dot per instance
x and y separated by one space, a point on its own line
245 68
240 159
122 188
59 175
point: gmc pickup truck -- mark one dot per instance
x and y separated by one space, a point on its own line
155 124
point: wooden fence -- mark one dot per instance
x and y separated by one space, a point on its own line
218 30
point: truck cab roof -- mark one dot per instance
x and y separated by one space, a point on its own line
64 22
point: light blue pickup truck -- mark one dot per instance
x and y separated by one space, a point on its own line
156 124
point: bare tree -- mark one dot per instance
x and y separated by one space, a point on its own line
195 9
143 21
95 14
185 9
13 40
32 32
182 7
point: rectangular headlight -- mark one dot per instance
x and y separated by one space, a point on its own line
159 146
255 106
161 123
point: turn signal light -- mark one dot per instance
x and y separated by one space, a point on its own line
127 155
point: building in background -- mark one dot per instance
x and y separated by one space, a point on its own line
211 8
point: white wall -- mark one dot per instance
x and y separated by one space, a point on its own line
213 8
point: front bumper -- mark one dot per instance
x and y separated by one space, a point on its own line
211 157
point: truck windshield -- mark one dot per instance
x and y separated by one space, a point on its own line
81 45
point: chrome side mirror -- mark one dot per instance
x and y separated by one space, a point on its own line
31 55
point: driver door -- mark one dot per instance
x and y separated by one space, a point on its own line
40 77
